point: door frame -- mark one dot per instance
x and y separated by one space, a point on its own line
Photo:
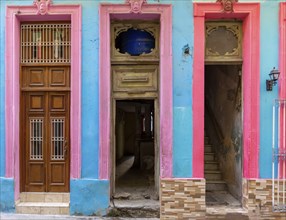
249 14
14 16
156 141
124 12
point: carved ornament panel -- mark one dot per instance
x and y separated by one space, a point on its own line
223 42
117 29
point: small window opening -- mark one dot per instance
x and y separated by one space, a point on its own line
135 42
45 43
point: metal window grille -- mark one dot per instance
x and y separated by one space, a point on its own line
36 139
279 157
45 43
58 141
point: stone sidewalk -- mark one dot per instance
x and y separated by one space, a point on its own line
13 216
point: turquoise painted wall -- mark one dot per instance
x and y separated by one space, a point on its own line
269 52
90 44
182 88
89 185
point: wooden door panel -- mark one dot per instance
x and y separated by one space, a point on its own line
59 152
59 77
36 176
35 157
36 102
34 77
58 102
58 177
45 140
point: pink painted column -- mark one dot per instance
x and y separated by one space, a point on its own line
282 77
122 11
104 94
198 96
14 15
250 79
166 93
249 13
282 51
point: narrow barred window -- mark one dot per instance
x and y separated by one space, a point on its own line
36 139
45 43
58 139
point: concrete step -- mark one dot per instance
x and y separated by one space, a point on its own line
43 203
211 165
209 157
213 175
216 185
46 208
208 148
44 197
146 208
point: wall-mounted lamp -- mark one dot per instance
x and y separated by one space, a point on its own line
274 75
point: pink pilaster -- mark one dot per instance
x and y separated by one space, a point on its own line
14 16
282 51
122 11
249 13
198 104
282 68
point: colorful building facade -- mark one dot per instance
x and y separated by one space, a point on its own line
64 83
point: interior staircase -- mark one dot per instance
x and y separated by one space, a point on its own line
214 181
43 203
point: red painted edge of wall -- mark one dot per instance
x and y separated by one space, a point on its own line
282 51
249 13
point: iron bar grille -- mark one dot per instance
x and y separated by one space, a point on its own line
45 43
36 139
279 157
58 139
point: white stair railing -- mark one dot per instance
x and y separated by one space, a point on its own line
279 156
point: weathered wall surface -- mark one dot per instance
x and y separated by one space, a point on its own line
182 88
223 93
182 36
269 48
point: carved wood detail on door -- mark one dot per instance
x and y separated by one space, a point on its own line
45 142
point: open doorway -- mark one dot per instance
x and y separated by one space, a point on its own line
134 152
223 134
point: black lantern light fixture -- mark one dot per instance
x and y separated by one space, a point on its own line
274 75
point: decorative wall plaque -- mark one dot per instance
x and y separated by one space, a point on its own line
227 5
223 41
42 6
136 5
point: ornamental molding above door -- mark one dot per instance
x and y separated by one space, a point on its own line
136 5
42 6
227 5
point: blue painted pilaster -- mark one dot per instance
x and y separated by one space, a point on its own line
269 50
182 88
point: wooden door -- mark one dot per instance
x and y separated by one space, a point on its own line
45 142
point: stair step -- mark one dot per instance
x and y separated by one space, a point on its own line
44 197
54 208
43 203
213 175
216 185
208 148
206 139
211 165
209 156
